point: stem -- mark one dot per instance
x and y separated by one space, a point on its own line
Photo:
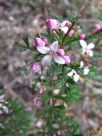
65 36
62 77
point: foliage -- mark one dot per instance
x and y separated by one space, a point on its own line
16 121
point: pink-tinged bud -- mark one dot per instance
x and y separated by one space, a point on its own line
98 26
54 32
58 133
42 90
45 40
70 33
67 59
34 67
52 24
65 23
39 42
37 102
60 52
68 23
82 36
39 124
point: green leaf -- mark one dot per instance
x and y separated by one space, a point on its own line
20 47
25 39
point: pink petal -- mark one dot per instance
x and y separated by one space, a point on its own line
45 40
43 49
42 90
46 60
54 46
67 59
39 42
58 59
34 67
83 43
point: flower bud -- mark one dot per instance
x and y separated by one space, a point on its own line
68 23
98 26
82 36
42 90
70 33
39 123
56 91
52 24
34 67
58 133
60 52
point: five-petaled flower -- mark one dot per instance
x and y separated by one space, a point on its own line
53 51
87 48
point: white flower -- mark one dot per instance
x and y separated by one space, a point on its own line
39 123
74 75
81 64
56 91
87 48
86 69
2 98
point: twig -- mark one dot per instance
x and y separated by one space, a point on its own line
84 7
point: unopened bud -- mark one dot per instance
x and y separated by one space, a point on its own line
71 33
82 36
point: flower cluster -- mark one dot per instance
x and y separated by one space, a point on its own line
56 51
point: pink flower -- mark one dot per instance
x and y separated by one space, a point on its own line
82 36
42 90
53 52
87 48
34 67
52 24
64 26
